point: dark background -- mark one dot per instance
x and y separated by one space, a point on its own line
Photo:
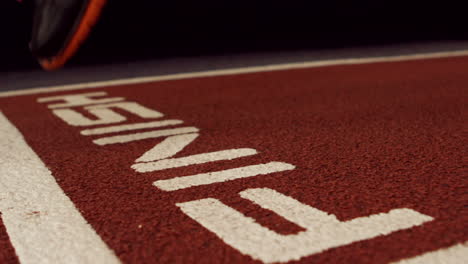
150 29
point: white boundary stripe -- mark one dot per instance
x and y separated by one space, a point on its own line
43 224
457 254
276 67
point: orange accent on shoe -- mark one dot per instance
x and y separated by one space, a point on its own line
88 20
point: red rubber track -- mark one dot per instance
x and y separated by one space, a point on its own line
365 139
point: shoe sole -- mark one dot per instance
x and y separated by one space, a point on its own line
88 19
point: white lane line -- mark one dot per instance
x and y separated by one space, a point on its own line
42 222
144 135
229 154
275 67
221 176
457 254
120 128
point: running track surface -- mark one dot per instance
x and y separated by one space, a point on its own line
356 163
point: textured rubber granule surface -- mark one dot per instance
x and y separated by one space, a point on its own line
364 140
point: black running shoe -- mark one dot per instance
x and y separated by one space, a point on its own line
59 28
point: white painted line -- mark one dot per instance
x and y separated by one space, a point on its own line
120 128
131 107
75 118
276 67
43 224
168 147
221 176
194 159
78 99
144 135
104 113
457 254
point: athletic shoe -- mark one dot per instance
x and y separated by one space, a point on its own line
59 28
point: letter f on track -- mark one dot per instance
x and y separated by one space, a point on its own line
323 230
